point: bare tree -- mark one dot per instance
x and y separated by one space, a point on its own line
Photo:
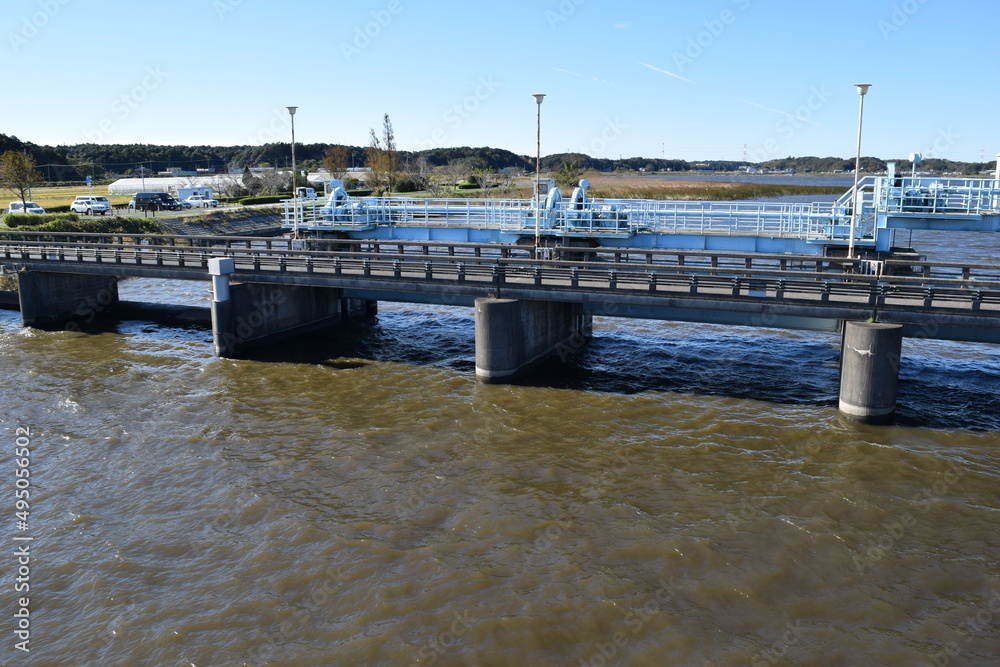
454 172
437 183
230 185
507 182
336 159
487 179
18 174
274 182
383 159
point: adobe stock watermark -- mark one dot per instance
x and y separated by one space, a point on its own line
900 524
562 12
977 623
444 641
223 7
900 16
364 35
458 113
606 652
125 105
944 140
790 123
774 654
31 26
612 131
275 128
703 41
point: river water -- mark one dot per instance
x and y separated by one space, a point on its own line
679 495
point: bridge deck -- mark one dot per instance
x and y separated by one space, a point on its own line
936 300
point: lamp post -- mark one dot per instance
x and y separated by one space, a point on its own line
862 90
538 169
996 184
295 200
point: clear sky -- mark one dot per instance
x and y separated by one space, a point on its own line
623 78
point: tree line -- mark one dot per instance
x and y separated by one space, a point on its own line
75 162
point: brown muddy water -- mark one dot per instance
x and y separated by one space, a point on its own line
679 495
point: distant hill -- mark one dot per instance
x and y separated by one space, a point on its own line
74 162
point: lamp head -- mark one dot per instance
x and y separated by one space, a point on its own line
862 88
291 110
538 97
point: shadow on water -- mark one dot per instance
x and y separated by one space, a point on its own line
949 394
438 338
936 390
942 385
758 365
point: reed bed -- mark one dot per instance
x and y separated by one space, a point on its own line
637 187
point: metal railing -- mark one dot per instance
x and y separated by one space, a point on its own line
596 216
623 217
194 252
938 196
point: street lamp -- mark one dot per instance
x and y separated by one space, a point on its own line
862 90
295 208
291 112
538 168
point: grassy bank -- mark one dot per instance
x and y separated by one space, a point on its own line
607 186
638 187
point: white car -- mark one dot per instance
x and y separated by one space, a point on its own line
201 201
90 205
26 207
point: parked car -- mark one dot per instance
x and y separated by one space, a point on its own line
90 205
26 207
201 201
154 201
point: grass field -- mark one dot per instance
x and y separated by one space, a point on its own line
606 186
46 196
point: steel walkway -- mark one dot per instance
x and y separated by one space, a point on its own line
884 204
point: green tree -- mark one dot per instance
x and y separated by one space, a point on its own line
567 175
18 174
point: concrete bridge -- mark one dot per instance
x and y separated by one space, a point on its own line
526 309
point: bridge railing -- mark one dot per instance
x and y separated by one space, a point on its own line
83 247
978 294
801 220
962 196
596 217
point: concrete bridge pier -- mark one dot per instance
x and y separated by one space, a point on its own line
58 299
869 371
513 336
249 315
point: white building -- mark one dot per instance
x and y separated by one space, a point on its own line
218 183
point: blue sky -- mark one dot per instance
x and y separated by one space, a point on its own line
622 78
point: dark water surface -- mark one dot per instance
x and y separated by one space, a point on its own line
680 495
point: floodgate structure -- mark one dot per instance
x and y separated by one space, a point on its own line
763 265
864 220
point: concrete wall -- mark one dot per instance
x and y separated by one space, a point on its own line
257 314
514 335
55 299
